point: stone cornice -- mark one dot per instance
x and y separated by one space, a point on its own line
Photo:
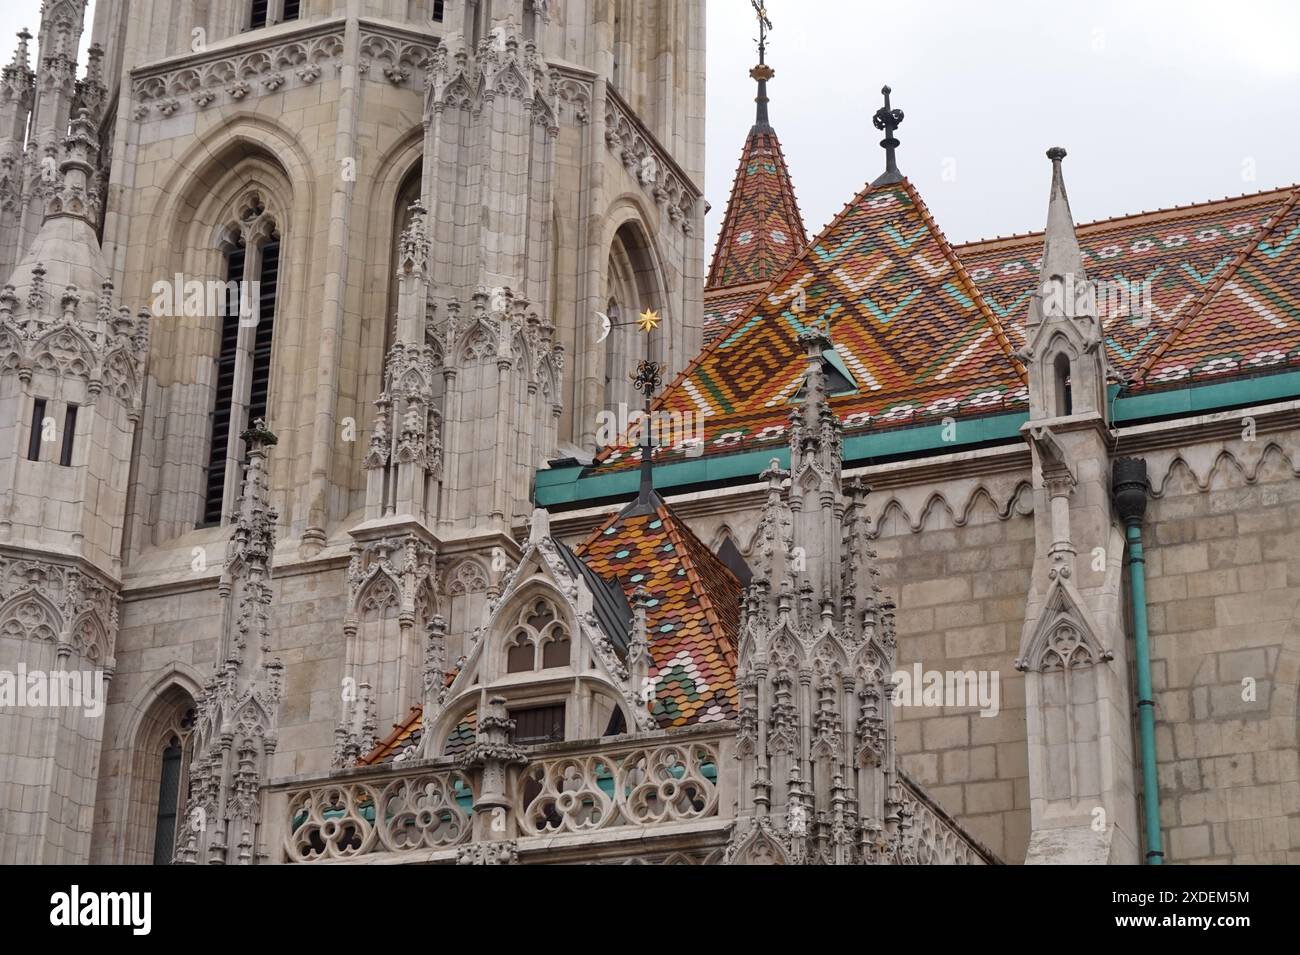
262 63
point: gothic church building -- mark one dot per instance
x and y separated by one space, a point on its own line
311 313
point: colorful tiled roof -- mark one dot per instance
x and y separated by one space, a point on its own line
762 230
908 323
1180 255
724 305
916 321
694 615
1249 318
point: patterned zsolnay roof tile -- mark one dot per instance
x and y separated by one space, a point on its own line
723 306
1176 257
694 615
1250 320
905 318
762 230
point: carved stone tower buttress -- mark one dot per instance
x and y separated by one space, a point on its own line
815 741
1072 649
71 382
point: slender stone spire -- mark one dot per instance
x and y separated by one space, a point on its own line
887 120
1061 256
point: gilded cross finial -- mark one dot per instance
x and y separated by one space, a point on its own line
887 120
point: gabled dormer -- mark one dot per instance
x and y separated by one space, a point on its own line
561 647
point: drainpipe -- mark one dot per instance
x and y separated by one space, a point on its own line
1130 485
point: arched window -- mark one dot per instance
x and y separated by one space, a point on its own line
539 640
160 779
169 800
243 364
1061 375
632 288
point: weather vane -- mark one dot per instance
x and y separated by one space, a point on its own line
764 24
647 321
647 378
887 120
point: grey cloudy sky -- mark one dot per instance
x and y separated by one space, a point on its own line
1158 103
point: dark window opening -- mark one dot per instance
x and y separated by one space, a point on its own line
257 14
519 659
215 484
291 10
38 422
169 791
270 273
617 723
555 653
730 555
438 10
69 436
538 724
1064 400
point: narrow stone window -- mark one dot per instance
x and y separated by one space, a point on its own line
439 8
1064 400
169 791
291 8
257 14
69 436
214 487
34 439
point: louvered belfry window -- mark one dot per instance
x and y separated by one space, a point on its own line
215 484
242 378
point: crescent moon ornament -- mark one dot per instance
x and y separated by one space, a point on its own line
605 326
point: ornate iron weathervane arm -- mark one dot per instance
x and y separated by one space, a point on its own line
887 120
646 379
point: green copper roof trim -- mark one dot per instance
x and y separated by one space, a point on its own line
560 486
1201 398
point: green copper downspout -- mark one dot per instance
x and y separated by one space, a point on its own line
1130 487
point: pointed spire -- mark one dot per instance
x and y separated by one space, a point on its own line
20 62
1061 256
74 196
887 120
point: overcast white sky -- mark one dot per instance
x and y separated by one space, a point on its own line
1158 102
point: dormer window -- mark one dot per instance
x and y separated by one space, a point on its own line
835 373
540 642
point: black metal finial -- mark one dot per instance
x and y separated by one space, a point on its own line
761 73
887 120
646 379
